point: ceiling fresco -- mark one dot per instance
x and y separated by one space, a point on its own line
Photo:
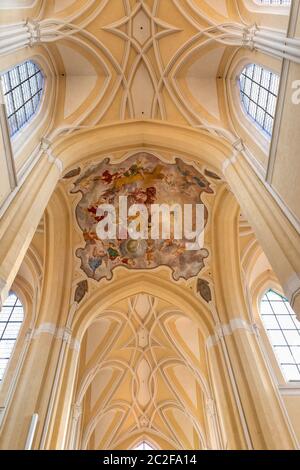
143 179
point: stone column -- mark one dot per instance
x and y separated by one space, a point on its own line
17 36
277 236
273 43
20 221
283 45
257 397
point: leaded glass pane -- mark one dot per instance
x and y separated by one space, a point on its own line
259 91
283 329
11 318
22 89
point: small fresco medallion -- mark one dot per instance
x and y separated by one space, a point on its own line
143 179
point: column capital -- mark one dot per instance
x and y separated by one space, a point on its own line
77 411
33 27
239 148
256 329
67 335
29 334
275 43
219 331
210 407
248 36
46 147
239 145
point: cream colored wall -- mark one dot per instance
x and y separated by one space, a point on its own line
246 406
56 432
14 11
27 286
23 152
273 16
254 139
48 347
22 147
4 169
259 278
292 404
283 175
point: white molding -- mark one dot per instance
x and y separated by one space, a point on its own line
31 431
290 390
229 329
238 147
2 414
46 145
63 334
261 175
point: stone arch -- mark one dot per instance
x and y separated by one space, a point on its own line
121 290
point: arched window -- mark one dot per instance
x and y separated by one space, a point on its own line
283 330
259 92
11 318
143 446
22 89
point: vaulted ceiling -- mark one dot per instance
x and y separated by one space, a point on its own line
143 376
140 59
142 367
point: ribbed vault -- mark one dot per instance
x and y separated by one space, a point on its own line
141 59
143 375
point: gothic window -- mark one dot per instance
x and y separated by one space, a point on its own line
283 330
11 318
143 446
259 92
22 89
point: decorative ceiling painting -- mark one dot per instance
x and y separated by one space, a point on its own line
143 179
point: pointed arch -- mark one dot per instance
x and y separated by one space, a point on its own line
143 445
283 329
147 283
259 91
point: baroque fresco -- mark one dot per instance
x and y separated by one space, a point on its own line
147 180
